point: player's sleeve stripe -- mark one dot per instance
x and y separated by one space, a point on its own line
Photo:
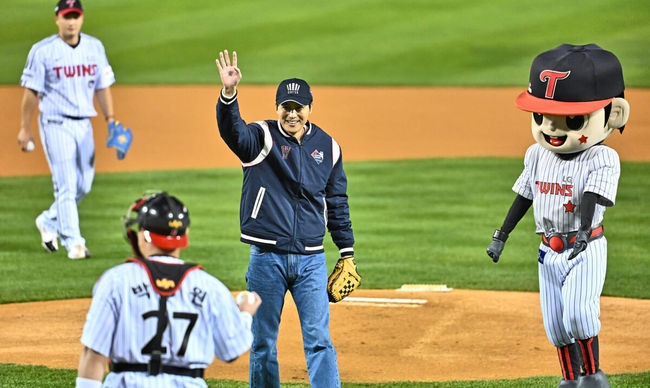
227 100
268 145
336 152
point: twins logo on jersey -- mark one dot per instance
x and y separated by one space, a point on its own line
554 188
75 71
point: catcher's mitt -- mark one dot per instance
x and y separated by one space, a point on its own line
119 138
343 280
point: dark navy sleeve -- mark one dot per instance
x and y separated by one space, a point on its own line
338 211
245 140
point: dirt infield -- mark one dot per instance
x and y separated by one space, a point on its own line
175 127
459 335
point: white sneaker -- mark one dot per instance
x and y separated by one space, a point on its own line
48 238
78 252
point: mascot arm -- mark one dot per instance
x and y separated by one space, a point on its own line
519 207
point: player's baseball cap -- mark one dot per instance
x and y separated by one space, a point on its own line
572 80
294 89
163 217
66 6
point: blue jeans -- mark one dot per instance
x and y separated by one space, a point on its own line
271 274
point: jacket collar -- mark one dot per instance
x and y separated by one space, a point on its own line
285 134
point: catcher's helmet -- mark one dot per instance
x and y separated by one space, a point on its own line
163 218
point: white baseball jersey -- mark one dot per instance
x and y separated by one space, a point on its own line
569 290
66 77
556 185
203 321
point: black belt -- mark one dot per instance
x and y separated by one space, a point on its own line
75 117
562 241
173 370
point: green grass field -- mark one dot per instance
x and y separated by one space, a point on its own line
414 220
412 225
19 376
340 42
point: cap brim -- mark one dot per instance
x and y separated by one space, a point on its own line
303 103
68 10
168 242
528 102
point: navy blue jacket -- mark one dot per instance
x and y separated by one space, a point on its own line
292 190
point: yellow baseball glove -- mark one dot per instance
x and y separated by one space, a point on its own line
343 280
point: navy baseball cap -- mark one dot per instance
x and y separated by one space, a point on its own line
572 80
66 6
294 89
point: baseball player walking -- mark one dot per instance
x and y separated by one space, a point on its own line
576 99
294 188
62 74
160 320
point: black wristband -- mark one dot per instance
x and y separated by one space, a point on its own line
499 235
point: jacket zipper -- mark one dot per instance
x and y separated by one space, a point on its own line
297 203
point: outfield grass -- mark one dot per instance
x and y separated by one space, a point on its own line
338 42
415 221
17 376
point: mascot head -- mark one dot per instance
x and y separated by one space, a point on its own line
576 97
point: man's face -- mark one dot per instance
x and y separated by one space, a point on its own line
293 116
569 134
69 24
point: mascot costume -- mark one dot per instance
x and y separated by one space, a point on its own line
570 177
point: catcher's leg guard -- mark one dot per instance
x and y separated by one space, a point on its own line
589 349
570 361
596 380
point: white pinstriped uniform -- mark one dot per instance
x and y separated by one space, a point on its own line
569 290
115 326
66 79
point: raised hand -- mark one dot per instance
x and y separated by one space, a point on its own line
229 73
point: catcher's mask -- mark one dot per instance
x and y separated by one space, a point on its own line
163 218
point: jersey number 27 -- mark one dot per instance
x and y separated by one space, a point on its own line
191 317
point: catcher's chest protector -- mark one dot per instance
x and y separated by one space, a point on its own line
165 279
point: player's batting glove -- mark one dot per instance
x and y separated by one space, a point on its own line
119 138
495 248
582 237
343 280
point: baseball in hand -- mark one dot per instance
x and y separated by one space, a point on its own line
250 297
30 146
